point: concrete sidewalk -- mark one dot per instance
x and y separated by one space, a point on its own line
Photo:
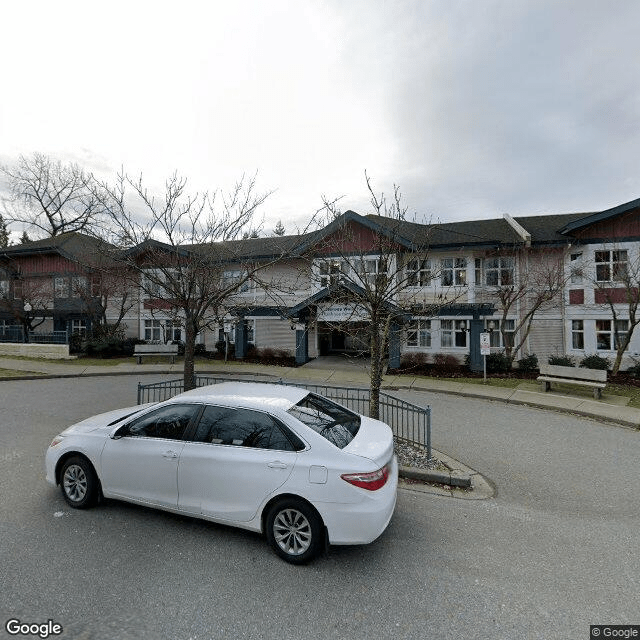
330 371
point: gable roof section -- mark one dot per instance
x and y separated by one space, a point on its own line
72 245
607 214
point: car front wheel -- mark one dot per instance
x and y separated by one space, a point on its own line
295 531
79 483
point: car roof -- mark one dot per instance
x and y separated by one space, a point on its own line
253 395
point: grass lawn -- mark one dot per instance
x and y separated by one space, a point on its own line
12 373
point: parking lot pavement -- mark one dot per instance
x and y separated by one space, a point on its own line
552 552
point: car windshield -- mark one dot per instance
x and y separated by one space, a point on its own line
335 423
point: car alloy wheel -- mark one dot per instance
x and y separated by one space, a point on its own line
292 531
75 483
295 530
79 483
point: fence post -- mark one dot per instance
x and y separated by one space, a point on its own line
428 434
139 393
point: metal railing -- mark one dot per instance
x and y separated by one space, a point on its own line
14 333
409 422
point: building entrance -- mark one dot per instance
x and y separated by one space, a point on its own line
353 340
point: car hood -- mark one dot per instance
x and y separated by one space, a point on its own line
374 440
103 420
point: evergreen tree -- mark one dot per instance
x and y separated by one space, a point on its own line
25 238
4 233
279 229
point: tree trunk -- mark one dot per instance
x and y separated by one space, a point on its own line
619 353
189 353
375 378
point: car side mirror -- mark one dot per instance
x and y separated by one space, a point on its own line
119 432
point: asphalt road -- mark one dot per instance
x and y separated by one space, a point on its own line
554 551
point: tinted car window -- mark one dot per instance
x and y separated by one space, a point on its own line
245 428
335 423
168 422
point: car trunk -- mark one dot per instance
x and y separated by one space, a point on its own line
374 441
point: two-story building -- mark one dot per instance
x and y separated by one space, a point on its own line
446 283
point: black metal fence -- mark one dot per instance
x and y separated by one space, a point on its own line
409 422
15 333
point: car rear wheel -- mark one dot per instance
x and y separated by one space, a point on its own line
79 483
295 531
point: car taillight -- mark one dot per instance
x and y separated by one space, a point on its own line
371 481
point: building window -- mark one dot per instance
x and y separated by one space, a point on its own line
152 330
172 331
453 333
4 288
577 334
454 272
419 333
576 268
235 276
18 289
496 337
611 266
419 273
78 286
61 287
251 332
330 272
369 269
79 327
96 285
603 335
498 272
622 327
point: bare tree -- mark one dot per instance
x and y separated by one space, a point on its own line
181 246
51 197
367 268
30 302
617 286
522 292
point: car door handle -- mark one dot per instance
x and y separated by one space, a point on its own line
169 454
276 464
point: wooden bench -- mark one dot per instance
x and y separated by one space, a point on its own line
169 350
595 378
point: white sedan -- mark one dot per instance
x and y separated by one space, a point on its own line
276 459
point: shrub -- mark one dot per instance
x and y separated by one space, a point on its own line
528 363
111 346
634 371
282 354
445 362
595 362
267 353
562 361
498 362
201 350
413 360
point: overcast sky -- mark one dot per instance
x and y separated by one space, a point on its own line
474 108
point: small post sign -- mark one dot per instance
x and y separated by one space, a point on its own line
485 350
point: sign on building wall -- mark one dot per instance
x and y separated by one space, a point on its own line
342 313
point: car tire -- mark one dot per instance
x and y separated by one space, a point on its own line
295 531
79 483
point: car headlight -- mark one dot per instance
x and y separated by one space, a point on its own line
56 441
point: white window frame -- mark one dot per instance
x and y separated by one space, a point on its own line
453 272
576 268
330 270
498 266
4 288
418 272
368 268
61 286
604 332
496 339
418 333
79 326
577 334
453 332
232 276
611 264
